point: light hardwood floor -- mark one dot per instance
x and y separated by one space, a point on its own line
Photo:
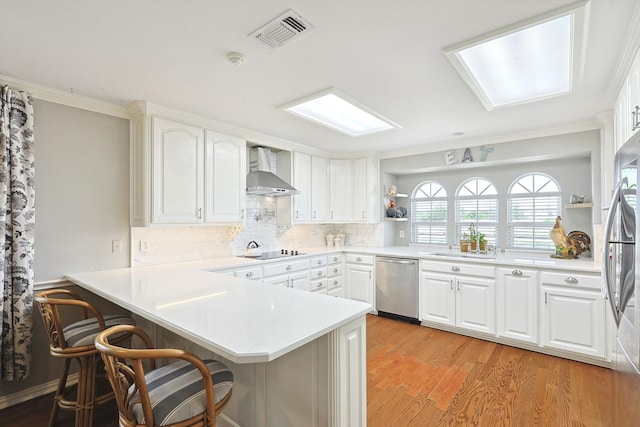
419 376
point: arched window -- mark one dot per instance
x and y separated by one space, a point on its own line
477 203
429 214
533 205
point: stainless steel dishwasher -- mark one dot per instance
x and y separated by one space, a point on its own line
397 288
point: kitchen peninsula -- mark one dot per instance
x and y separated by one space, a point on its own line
297 357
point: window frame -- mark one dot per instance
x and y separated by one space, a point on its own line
490 228
430 199
537 228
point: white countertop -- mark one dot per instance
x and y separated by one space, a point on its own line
241 320
248 321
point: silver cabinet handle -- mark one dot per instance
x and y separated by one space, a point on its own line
363 215
199 213
545 298
242 213
335 259
358 259
335 282
335 270
516 273
455 268
458 285
451 284
319 273
296 214
314 214
571 280
288 267
319 262
319 284
249 274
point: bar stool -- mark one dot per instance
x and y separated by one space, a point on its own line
187 392
75 341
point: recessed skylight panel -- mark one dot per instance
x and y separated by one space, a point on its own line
524 63
336 111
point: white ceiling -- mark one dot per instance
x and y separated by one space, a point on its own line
384 53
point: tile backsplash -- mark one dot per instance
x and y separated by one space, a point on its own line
158 245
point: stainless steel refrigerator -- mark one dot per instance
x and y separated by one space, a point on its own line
621 279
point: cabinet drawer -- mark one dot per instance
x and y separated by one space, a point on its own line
318 261
458 268
335 259
568 278
334 282
318 272
360 259
318 285
334 270
285 267
253 273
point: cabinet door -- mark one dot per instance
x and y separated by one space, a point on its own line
437 298
178 176
476 304
302 182
360 283
340 190
622 116
360 190
320 184
300 281
573 320
517 304
225 178
633 96
281 280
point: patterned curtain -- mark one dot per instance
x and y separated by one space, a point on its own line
17 219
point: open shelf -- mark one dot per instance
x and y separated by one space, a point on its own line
578 205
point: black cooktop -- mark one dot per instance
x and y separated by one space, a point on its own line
284 253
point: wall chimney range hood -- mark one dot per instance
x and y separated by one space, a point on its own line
261 180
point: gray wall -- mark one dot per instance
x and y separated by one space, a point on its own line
568 158
82 203
82 190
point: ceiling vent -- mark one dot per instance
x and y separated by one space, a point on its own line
285 28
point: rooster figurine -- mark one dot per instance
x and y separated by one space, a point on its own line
568 245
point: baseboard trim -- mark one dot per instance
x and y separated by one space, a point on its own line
33 392
224 421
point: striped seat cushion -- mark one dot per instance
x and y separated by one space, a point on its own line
176 391
84 332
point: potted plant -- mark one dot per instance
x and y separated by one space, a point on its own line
464 243
478 241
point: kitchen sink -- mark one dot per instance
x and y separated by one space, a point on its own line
463 255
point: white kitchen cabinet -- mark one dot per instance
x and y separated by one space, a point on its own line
178 173
318 272
340 190
458 295
517 304
335 275
302 182
627 106
182 172
360 191
290 274
573 316
360 277
319 191
225 178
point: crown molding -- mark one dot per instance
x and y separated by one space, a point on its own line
57 96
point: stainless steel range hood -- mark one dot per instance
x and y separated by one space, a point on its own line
261 180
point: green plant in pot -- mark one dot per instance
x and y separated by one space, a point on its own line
478 241
465 243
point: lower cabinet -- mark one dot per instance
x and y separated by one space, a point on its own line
573 314
517 304
360 277
292 274
459 299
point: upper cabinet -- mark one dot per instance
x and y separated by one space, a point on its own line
183 173
340 190
320 190
302 182
627 106
225 177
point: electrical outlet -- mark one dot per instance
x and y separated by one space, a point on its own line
402 234
116 246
